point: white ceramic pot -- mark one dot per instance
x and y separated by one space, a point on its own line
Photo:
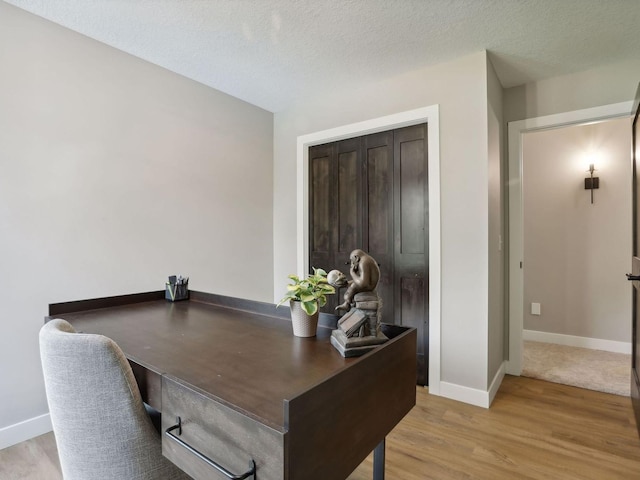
303 325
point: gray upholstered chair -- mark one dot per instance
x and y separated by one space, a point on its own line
99 420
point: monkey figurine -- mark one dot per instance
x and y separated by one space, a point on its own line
365 275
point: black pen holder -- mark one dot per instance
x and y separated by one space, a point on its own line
176 291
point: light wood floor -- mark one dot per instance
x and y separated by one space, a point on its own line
533 430
35 459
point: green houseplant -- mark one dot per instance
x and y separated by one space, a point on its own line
306 296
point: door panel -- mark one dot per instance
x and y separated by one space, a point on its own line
411 236
635 265
635 345
412 197
348 213
379 172
413 304
348 228
321 238
321 208
349 208
378 207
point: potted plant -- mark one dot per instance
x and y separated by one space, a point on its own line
306 296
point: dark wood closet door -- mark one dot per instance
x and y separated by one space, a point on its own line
335 228
371 193
348 214
378 213
411 237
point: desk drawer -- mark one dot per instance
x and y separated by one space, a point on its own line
223 435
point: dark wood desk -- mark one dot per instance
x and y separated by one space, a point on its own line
246 389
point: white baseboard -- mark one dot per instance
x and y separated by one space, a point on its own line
468 395
497 381
574 341
472 396
22 431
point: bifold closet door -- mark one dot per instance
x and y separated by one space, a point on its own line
371 193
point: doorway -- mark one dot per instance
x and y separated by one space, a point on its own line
517 237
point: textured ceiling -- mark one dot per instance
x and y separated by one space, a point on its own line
272 53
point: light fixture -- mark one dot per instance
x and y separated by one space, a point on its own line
591 182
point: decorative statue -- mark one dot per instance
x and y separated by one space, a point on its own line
359 328
365 274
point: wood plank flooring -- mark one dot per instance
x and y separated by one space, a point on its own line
35 459
533 430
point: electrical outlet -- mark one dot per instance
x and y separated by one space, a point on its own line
535 309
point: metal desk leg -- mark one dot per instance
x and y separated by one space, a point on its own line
378 461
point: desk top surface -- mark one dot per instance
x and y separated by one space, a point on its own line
250 361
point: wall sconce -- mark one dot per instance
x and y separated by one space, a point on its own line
591 182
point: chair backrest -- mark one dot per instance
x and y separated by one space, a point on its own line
101 427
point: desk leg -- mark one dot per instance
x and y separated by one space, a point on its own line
378 461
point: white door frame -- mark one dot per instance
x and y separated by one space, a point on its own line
517 129
431 116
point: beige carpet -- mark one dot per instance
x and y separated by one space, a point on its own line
580 367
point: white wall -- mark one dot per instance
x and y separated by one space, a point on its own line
496 340
604 85
576 253
460 89
114 174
